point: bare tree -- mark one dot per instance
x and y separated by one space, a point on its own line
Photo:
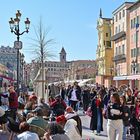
42 52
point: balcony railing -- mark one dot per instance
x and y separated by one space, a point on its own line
118 35
119 57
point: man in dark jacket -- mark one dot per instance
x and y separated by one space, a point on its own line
74 96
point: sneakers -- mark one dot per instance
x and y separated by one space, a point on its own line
98 134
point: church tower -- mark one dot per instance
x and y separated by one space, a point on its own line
63 55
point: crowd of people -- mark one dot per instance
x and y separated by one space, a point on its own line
29 117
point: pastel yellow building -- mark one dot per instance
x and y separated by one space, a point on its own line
3 69
104 52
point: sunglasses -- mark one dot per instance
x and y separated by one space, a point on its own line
138 101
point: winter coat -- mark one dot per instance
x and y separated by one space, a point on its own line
94 117
78 94
126 118
71 130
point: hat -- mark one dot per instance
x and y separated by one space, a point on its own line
60 118
38 110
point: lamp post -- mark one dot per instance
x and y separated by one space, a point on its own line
14 26
21 70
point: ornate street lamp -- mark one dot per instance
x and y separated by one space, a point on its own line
22 66
14 26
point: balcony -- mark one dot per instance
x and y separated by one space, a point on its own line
118 36
119 57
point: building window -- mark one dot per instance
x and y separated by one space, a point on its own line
123 13
108 43
131 23
135 51
116 30
120 15
138 51
134 23
104 42
116 50
106 34
119 29
123 49
116 18
119 50
138 68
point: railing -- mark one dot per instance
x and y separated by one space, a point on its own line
119 57
118 35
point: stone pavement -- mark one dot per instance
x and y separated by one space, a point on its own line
87 133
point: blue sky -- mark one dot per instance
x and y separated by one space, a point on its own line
72 22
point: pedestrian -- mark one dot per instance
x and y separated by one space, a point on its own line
86 98
62 92
58 106
55 132
126 117
69 127
135 118
13 102
21 101
71 114
45 107
37 119
93 93
115 118
74 96
25 132
67 91
96 123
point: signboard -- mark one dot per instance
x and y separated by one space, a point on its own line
18 45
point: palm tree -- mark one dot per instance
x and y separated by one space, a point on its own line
42 53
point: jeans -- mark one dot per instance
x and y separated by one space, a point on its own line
74 105
98 120
125 128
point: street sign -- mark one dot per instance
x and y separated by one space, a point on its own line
18 45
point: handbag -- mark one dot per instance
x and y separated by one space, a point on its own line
89 112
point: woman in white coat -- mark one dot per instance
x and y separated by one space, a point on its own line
70 127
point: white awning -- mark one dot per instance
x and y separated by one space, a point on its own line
84 81
120 78
130 77
133 77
